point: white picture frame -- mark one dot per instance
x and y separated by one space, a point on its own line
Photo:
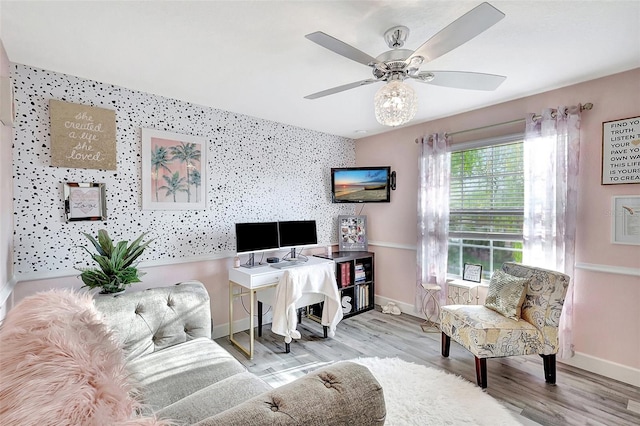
625 223
174 172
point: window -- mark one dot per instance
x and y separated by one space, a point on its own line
486 205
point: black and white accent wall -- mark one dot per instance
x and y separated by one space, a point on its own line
257 170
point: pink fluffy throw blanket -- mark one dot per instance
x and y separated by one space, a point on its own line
60 365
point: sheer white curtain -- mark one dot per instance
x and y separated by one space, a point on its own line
551 154
434 168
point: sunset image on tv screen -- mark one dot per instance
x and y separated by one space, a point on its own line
361 185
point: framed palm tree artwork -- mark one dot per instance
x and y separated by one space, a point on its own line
173 171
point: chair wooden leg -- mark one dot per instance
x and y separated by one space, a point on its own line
299 316
287 348
481 372
446 343
549 362
325 329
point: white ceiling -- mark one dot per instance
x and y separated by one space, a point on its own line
251 57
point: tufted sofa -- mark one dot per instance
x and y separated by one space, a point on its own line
59 366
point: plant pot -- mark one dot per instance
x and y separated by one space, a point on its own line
102 294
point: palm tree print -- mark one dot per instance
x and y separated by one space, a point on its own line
186 153
175 184
159 160
195 180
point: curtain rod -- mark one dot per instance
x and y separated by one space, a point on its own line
584 107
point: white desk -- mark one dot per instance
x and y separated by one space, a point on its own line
251 280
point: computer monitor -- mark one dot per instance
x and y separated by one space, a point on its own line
297 234
256 237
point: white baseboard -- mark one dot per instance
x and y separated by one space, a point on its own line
240 325
406 308
605 368
5 295
223 329
243 324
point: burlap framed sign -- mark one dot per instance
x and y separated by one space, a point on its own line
82 136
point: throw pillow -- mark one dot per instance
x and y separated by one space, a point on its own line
506 294
59 364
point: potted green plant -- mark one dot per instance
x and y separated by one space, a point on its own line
116 268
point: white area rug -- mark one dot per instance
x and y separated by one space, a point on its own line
419 395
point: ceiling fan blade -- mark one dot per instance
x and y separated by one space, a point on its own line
340 89
342 48
461 79
458 32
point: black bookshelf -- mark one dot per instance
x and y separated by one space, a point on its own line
355 277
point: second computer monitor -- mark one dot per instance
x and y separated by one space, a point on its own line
295 234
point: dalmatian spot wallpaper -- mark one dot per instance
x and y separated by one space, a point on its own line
256 170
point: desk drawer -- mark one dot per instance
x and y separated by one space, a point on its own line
266 279
247 279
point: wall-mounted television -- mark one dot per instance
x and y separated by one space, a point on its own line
297 233
361 184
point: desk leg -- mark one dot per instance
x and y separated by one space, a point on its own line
252 298
231 311
251 293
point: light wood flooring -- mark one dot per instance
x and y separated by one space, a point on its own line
578 398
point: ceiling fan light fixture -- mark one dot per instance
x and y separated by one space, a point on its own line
395 103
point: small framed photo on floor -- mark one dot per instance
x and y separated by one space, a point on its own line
472 273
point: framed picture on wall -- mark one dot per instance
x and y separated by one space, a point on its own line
625 226
174 173
84 201
352 233
620 151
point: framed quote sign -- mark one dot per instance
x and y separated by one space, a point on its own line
82 136
472 273
621 151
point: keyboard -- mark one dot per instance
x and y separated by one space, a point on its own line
287 264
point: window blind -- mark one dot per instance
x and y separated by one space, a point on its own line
487 193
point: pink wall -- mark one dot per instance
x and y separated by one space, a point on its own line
607 318
212 273
6 197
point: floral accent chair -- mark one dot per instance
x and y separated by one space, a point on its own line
489 334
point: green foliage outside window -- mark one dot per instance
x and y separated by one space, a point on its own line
486 207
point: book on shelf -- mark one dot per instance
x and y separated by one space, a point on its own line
366 296
345 274
362 300
361 276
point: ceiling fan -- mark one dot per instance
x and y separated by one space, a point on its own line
397 64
